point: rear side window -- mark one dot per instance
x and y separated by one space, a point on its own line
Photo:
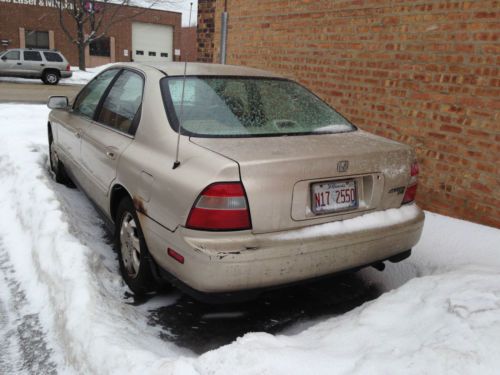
32 56
12 55
123 101
53 57
88 99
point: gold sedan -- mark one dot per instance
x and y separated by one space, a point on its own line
228 180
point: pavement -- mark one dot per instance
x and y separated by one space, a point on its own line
29 92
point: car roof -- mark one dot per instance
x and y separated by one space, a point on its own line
205 69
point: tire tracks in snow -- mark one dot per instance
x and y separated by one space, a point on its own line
23 347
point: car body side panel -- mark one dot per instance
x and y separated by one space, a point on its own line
146 167
69 128
100 153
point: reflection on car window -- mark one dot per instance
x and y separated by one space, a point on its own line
248 106
122 102
12 55
88 99
32 56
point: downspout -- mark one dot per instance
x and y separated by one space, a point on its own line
223 35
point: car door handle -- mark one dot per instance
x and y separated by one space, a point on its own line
42 64
19 64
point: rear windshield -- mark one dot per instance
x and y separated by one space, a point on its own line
247 107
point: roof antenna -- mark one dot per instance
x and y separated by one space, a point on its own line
181 112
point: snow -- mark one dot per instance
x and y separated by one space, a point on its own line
440 312
372 220
334 128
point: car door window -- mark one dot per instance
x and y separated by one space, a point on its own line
88 99
123 101
32 56
52 57
12 55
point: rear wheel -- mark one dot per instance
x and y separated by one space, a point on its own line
50 77
135 260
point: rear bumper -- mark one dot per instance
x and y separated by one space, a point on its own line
66 74
238 261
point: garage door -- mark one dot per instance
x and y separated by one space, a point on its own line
152 43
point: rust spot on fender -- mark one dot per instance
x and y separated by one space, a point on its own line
139 205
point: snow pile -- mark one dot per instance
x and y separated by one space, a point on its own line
443 316
81 77
68 274
372 220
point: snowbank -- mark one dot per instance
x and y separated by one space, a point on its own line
440 314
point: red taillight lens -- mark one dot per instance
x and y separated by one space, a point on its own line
221 206
68 68
410 194
411 191
414 169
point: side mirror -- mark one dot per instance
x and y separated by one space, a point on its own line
4 58
58 102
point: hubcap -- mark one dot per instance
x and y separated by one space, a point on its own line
51 78
129 245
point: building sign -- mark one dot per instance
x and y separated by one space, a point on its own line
41 3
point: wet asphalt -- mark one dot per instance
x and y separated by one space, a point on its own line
201 327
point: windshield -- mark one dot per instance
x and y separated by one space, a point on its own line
246 107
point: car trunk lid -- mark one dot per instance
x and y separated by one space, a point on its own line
278 173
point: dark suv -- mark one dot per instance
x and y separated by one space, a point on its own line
48 65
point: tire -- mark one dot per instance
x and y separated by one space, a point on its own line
133 255
56 166
50 77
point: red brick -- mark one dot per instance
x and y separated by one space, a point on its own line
426 74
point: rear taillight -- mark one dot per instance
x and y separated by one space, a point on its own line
68 68
411 190
221 206
410 194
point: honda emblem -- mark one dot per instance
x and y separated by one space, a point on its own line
342 166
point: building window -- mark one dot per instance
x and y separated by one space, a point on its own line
37 39
139 53
164 54
100 47
152 53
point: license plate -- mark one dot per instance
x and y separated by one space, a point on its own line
331 196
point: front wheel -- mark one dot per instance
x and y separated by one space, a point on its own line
56 166
50 77
133 254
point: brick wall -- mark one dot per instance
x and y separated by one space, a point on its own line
14 16
421 72
205 31
189 44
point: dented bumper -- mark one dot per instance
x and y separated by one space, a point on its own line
237 261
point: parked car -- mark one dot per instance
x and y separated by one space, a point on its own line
48 65
231 180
